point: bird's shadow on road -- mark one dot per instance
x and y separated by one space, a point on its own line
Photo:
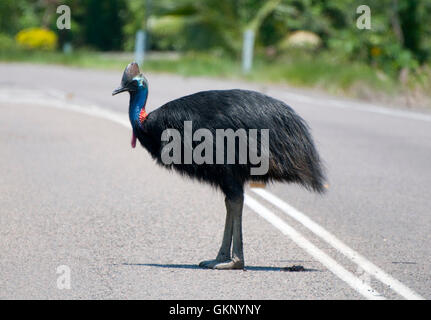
247 268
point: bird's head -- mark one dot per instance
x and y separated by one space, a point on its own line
132 80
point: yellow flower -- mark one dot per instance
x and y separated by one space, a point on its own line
37 38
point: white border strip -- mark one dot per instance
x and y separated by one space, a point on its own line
355 257
58 103
363 107
345 275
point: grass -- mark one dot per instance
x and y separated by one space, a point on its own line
196 65
79 59
333 76
352 79
324 71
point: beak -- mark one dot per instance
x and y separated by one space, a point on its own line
119 90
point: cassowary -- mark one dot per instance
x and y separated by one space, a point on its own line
290 151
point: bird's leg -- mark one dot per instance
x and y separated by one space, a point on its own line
224 252
233 227
237 250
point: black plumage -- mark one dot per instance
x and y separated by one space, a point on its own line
293 157
292 153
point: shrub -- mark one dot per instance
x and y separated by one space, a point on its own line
7 44
37 38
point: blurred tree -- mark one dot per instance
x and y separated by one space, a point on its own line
9 16
412 26
103 22
49 10
213 23
400 36
18 14
133 21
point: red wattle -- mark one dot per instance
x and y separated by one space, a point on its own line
133 142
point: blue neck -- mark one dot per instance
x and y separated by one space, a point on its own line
138 99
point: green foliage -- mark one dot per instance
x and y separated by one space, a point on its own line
399 38
16 15
7 43
101 21
209 34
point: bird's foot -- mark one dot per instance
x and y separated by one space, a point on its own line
222 265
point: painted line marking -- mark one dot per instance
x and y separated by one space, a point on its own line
333 266
351 105
351 254
27 97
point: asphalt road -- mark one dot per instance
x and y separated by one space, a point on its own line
73 193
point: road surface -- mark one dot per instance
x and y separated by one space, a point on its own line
73 193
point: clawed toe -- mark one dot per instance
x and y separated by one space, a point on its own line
209 264
222 265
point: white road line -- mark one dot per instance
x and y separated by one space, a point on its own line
355 257
345 275
35 97
363 107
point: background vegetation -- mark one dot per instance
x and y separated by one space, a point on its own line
312 43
